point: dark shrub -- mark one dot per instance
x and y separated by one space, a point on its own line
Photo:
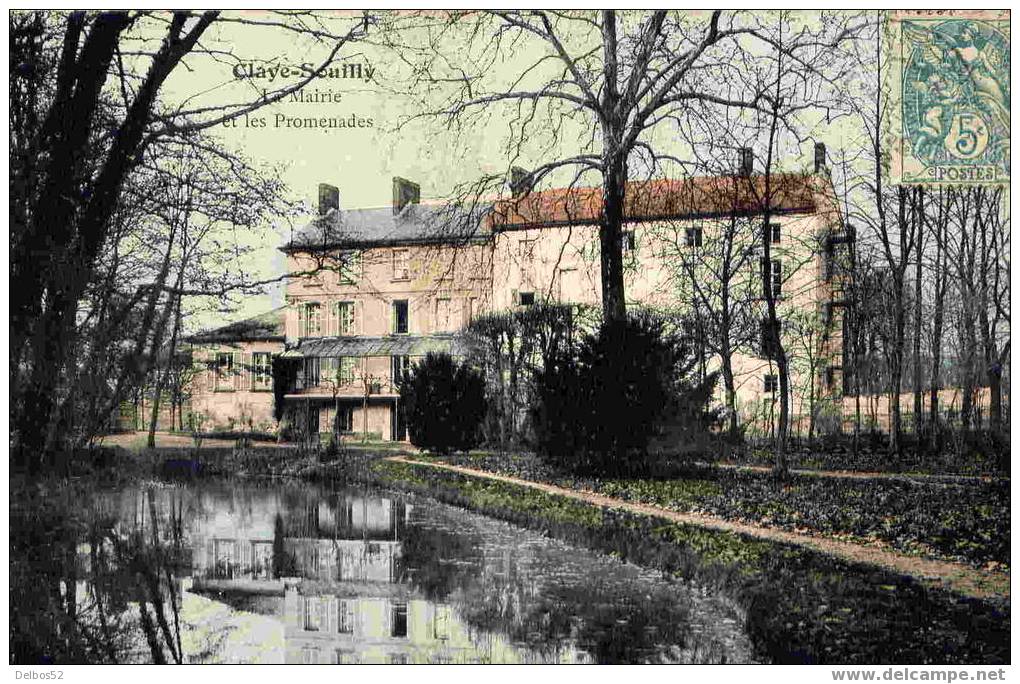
443 403
597 408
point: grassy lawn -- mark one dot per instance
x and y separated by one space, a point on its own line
800 605
962 521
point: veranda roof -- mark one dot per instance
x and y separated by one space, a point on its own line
387 345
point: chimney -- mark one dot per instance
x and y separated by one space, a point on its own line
820 163
329 198
520 181
745 162
404 192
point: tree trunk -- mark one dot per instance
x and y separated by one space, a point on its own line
161 377
995 396
940 280
84 223
918 318
731 393
614 177
614 305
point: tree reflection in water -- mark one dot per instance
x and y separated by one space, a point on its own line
93 581
344 575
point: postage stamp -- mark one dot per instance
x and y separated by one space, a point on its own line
948 88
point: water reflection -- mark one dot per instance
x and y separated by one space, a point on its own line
288 573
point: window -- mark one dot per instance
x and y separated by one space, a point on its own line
349 267
776 273
771 383
261 370
312 609
473 310
262 560
770 339
569 285
400 270
400 367
775 233
527 250
225 555
344 313
344 617
224 371
444 311
345 370
526 298
398 621
312 371
338 371
310 656
345 419
627 243
692 236
400 316
441 623
449 273
309 320
830 378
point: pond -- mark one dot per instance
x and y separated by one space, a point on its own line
287 572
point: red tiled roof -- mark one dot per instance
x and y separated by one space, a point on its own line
660 199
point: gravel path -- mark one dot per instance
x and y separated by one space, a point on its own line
957 577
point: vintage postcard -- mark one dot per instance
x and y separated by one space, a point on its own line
477 336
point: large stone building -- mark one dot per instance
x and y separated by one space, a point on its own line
374 289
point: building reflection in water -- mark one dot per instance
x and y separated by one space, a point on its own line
337 563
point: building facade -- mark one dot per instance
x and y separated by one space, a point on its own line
374 289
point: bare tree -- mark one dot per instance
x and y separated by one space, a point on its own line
714 264
608 78
889 214
83 127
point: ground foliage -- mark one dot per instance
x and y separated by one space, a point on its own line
974 452
801 606
959 520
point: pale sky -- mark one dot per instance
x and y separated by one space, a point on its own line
361 161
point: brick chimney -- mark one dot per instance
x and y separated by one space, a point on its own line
745 161
520 181
820 162
329 198
404 192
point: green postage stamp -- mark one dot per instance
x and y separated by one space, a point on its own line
947 83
